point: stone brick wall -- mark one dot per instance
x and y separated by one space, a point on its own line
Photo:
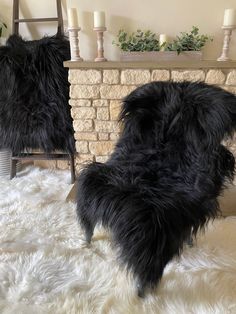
96 95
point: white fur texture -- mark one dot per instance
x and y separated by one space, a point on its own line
45 266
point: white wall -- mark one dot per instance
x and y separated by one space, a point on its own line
161 16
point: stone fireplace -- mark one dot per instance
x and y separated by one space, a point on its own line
97 90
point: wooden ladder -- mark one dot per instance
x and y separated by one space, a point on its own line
39 156
16 20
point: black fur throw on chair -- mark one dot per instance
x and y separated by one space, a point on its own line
34 93
160 185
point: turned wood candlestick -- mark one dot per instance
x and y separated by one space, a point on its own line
74 43
100 52
225 50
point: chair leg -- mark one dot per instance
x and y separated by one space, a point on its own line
72 168
13 168
190 241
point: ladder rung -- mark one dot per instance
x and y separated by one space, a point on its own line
48 19
40 156
16 20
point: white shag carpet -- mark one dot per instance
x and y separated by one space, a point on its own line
46 267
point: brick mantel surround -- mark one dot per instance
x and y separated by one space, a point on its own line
97 89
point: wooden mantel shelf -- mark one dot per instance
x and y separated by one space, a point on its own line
206 64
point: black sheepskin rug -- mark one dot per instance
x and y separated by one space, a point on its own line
160 185
34 94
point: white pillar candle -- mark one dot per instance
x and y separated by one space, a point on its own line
99 19
229 17
73 18
162 40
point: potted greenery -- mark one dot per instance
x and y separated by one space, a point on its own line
144 46
2 27
138 46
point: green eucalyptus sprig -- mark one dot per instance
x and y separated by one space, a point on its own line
2 26
147 41
137 41
192 41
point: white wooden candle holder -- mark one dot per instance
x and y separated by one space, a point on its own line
74 43
100 52
225 50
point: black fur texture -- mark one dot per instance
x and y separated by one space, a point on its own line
161 184
34 94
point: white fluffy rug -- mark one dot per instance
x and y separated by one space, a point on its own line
45 266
